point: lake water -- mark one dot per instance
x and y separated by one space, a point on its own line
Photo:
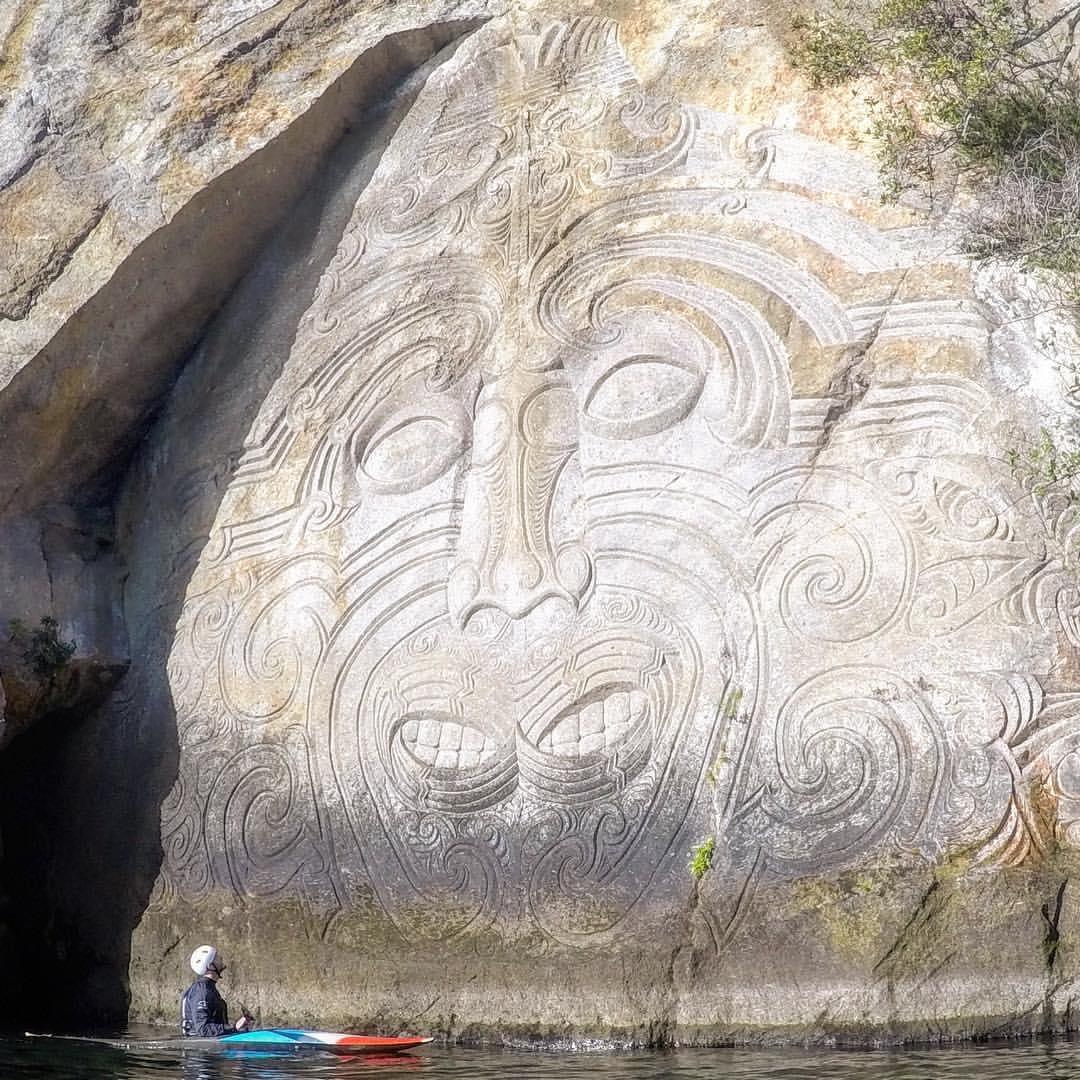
45 1059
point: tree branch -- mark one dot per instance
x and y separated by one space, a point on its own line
1045 27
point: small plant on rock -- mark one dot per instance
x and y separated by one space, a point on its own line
1045 465
43 651
701 858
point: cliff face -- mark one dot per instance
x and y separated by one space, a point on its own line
536 458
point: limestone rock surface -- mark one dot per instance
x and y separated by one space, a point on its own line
577 467
117 113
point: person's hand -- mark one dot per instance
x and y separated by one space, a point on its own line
241 1023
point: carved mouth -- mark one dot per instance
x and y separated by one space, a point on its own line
595 723
593 747
460 737
443 764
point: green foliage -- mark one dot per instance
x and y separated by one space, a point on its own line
701 858
42 649
985 90
902 153
726 709
831 51
1044 465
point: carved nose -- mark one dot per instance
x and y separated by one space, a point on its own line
517 574
512 552
519 583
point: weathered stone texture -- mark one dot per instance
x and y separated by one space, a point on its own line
585 469
116 114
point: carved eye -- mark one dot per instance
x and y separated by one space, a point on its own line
406 453
642 395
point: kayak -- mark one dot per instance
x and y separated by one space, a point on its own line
336 1041
279 1040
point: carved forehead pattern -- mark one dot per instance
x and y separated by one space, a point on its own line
538 564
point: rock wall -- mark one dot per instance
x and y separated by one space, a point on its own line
88 359
584 475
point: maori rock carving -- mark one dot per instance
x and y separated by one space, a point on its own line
534 567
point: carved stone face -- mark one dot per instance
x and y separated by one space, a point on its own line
536 568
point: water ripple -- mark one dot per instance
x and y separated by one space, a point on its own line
47 1059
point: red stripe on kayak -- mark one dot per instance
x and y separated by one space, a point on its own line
377 1042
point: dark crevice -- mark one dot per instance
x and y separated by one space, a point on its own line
39 143
82 791
119 16
930 903
848 387
1051 912
244 47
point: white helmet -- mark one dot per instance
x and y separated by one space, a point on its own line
204 958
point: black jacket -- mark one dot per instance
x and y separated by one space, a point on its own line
203 1011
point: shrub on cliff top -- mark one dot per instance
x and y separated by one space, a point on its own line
987 92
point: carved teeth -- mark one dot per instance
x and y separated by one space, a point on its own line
599 725
445 744
428 734
618 708
591 719
567 733
471 739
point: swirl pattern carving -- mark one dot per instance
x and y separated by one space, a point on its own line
537 565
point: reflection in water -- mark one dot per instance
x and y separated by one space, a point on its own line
24 1059
279 1065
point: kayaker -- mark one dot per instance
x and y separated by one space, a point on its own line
202 1009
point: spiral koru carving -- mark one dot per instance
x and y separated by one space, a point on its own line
860 761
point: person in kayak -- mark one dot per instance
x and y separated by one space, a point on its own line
202 1009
